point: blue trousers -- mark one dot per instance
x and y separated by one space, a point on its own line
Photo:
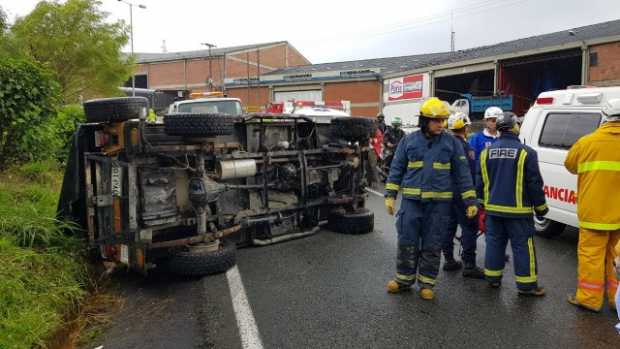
469 234
520 233
420 227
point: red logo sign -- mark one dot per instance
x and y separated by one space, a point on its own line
408 87
561 194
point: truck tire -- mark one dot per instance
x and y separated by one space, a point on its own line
355 223
115 109
199 124
352 129
547 228
199 263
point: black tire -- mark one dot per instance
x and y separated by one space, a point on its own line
115 109
198 263
199 124
353 129
360 222
547 228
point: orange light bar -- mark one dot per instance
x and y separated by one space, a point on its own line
195 95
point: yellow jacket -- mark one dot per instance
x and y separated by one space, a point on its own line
595 159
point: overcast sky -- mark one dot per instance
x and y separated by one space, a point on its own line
328 31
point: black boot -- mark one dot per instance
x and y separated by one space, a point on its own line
472 271
451 264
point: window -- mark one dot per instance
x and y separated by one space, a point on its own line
562 130
224 107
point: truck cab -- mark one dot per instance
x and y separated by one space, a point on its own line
553 124
208 105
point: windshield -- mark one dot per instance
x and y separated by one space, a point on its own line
221 107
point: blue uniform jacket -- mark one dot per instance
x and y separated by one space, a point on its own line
480 141
471 165
428 168
509 180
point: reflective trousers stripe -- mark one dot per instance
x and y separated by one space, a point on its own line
598 166
405 277
489 272
591 285
426 279
599 226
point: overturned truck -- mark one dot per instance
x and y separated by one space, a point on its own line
182 194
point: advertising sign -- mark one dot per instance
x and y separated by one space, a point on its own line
407 87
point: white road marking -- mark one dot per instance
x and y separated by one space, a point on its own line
250 338
374 192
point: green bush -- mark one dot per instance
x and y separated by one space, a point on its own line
28 98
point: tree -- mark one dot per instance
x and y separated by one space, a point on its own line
28 100
75 41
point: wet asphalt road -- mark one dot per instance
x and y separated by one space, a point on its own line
328 291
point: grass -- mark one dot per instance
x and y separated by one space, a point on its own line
42 274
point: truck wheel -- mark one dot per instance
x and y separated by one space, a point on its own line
199 124
548 228
198 260
352 129
115 109
360 222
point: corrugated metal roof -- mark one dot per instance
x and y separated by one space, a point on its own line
216 51
405 63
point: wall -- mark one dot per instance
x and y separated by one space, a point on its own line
607 70
259 96
364 95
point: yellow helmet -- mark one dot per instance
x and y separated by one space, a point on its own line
434 108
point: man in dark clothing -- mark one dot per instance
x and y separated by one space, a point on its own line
459 124
381 123
511 186
392 137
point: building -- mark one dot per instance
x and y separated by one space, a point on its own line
181 73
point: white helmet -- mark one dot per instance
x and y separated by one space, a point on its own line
492 112
458 120
611 110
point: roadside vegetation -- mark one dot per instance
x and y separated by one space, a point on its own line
50 60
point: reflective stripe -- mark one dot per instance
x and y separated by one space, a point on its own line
469 194
591 285
598 166
411 191
507 209
415 164
437 195
426 279
519 183
485 175
442 166
489 272
405 277
462 158
526 279
541 207
392 186
599 226
530 250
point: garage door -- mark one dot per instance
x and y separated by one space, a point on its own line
308 95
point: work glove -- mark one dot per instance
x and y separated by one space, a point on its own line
541 214
471 211
389 205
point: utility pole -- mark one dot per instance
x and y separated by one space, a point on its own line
452 33
210 81
133 76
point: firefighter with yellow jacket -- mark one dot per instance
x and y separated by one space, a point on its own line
426 166
595 160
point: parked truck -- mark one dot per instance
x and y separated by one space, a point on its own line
475 106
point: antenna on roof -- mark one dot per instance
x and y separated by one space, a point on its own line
452 34
164 49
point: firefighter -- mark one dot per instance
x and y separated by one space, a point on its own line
483 139
459 125
511 187
596 162
427 164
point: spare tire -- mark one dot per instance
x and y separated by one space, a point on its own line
359 222
115 109
198 262
353 129
199 124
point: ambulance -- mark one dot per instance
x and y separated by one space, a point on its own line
551 126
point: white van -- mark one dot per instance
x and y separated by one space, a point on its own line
551 127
